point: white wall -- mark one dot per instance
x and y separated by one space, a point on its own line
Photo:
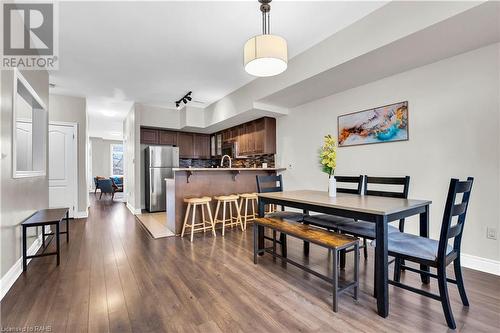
73 109
19 197
157 117
454 132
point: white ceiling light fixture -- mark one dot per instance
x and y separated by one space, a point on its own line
266 54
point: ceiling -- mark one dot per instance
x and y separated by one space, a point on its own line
117 53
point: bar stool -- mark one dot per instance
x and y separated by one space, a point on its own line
203 202
232 220
246 197
271 208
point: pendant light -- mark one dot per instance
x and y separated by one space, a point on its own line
266 54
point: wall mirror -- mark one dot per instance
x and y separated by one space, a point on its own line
29 130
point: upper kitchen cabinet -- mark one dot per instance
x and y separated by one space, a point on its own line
193 145
257 137
185 142
168 138
201 146
149 136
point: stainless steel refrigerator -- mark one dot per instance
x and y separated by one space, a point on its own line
159 163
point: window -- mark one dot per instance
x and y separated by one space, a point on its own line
117 160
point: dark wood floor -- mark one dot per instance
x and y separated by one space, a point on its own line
114 277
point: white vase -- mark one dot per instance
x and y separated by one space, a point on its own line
332 187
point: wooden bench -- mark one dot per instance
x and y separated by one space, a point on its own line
334 241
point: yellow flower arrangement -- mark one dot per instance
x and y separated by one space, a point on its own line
328 154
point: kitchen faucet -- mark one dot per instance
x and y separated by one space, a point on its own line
222 160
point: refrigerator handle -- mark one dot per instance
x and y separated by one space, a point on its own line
151 183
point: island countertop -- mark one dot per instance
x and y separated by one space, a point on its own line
228 169
207 182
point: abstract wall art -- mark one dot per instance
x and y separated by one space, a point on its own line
382 124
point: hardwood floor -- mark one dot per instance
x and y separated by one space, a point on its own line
114 277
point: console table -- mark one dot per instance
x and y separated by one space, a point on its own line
44 218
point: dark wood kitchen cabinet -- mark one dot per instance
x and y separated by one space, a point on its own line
168 138
257 137
185 142
201 146
149 136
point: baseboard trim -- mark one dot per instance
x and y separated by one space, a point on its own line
8 280
480 264
81 214
133 210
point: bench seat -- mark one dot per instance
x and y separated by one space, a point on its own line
308 233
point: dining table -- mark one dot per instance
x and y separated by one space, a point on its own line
371 208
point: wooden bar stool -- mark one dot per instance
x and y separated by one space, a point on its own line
246 197
271 208
231 220
203 202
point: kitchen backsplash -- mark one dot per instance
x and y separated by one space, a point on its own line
249 162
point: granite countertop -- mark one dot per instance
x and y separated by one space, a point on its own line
228 169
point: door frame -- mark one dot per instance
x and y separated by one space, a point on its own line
75 147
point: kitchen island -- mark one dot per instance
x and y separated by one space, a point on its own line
210 182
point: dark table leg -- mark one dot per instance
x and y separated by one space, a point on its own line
58 247
43 236
255 242
67 226
260 229
424 232
306 243
381 271
24 249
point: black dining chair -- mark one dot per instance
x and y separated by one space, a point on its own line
274 183
330 221
366 230
436 253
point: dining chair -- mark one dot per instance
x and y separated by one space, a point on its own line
274 183
329 221
348 184
366 230
436 253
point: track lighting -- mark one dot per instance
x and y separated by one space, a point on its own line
184 99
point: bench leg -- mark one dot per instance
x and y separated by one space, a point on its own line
24 249
58 247
335 284
67 226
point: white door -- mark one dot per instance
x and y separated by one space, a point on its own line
62 167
